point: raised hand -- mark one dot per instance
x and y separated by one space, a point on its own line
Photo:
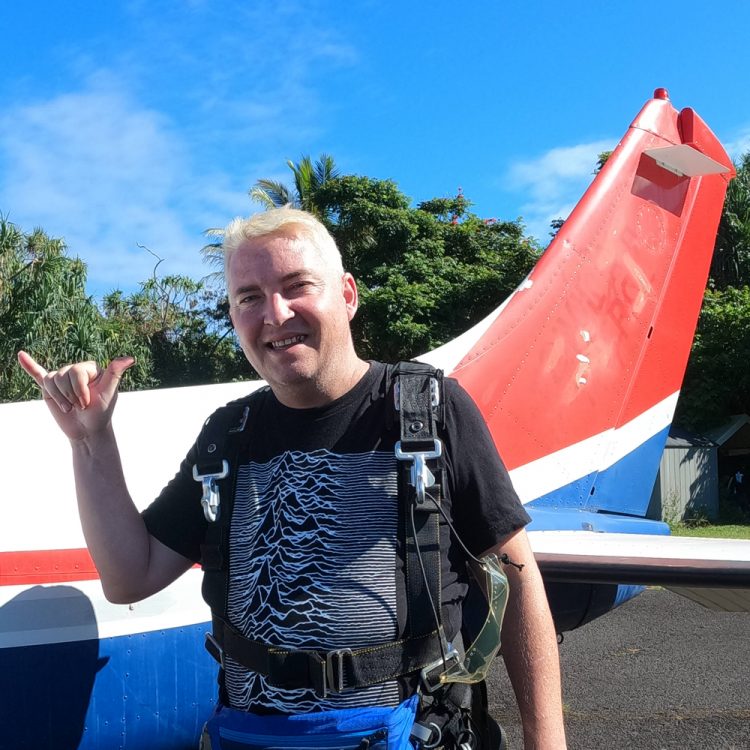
80 397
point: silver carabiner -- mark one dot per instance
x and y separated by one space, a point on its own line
211 500
420 476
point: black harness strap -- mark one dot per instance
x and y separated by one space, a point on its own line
321 671
220 441
417 392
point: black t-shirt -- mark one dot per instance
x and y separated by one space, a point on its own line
314 554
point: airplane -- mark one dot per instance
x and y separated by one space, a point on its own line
577 374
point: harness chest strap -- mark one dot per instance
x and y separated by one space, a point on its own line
328 672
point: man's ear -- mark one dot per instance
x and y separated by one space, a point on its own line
351 295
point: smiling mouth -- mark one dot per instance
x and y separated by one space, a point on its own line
284 343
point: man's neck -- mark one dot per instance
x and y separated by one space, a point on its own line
316 394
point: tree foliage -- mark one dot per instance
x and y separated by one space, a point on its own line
174 327
730 265
425 274
185 327
308 178
44 309
717 380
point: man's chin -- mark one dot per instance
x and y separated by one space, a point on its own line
289 376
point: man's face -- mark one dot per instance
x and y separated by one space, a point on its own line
291 311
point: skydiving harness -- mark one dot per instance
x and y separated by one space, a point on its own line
418 407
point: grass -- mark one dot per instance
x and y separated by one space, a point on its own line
714 531
733 523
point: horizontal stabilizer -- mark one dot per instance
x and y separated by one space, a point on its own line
645 559
685 161
719 600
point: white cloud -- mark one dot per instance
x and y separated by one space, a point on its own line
106 174
165 141
740 145
554 182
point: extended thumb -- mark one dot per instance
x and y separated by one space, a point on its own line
117 367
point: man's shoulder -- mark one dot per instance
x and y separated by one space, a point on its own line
237 410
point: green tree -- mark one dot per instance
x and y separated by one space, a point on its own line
601 160
717 380
425 274
308 178
184 326
45 310
730 265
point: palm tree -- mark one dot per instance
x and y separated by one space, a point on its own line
308 179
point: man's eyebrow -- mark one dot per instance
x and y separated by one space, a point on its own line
293 276
296 275
246 288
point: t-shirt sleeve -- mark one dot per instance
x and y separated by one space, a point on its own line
484 504
176 517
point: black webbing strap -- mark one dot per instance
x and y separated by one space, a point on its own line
220 441
417 391
220 431
419 403
321 671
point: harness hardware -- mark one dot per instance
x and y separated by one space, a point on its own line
334 671
327 671
210 500
430 675
213 648
420 477
434 394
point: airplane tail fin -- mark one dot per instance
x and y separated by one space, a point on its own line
578 372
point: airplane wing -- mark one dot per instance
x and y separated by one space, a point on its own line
712 572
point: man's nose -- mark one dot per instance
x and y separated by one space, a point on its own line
277 310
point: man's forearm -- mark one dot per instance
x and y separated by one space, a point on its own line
529 647
112 526
532 659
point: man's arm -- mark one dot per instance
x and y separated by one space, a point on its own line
529 648
132 564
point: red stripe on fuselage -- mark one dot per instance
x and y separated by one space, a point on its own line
46 566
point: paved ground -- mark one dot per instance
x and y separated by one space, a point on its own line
660 672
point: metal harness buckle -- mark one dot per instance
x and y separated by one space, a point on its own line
328 675
420 477
430 676
210 500
213 648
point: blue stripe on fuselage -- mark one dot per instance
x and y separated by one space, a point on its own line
625 487
136 692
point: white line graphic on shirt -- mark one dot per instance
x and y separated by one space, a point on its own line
312 561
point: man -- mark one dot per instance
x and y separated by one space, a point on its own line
314 533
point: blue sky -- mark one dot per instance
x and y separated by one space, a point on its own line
132 125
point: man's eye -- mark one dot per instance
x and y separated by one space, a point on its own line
248 299
298 286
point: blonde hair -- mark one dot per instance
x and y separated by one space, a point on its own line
278 221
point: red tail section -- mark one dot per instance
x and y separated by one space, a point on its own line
598 336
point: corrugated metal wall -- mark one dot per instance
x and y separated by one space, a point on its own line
687 484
